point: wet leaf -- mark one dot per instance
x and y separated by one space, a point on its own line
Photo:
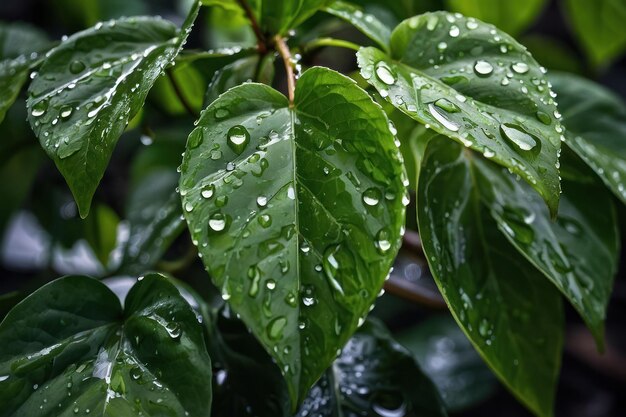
154 221
475 84
376 377
279 16
510 312
595 122
365 22
578 253
90 86
70 348
599 27
510 16
450 360
297 212
20 47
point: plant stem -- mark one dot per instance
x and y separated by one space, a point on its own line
180 95
260 37
339 43
285 54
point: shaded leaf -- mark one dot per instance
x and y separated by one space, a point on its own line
599 27
509 311
578 253
101 232
477 85
374 376
279 16
270 195
595 122
450 360
90 86
70 348
20 46
366 23
510 16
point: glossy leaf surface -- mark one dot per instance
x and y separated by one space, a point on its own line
510 16
510 312
595 122
365 22
578 252
297 213
376 377
19 49
599 26
279 16
477 85
90 86
70 349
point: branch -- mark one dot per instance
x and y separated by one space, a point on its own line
260 37
181 96
285 54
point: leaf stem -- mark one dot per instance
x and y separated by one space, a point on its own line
285 54
339 43
260 37
180 95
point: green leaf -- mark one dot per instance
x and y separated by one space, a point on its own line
449 359
458 91
270 195
599 27
508 310
154 221
279 16
510 16
578 253
374 376
90 86
20 46
595 122
366 23
70 348
101 231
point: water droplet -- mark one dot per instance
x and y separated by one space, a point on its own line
217 222
448 124
483 68
270 284
135 373
76 67
238 138
384 73
65 112
230 166
483 328
173 329
39 108
382 241
471 24
275 328
520 67
265 220
208 191
516 135
261 201
291 194
254 274
331 266
447 105
221 113
454 31
543 117
371 196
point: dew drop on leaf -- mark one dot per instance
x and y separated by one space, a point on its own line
483 68
518 137
208 191
238 138
384 73
448 124
520 67
275 328
217 222
77 66
371 196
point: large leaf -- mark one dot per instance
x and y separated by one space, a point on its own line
508 310
19 50
366 23
578 252
595 122
296 212
475 84
279 16
510 16
599 26
90 86
374 376
70 348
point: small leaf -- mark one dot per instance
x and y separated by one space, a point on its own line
270 195
578 253
475 84
69 346
365 22
595 122
510 16
374 376
599 27
101 232
20 46
509 311
279 16
90 86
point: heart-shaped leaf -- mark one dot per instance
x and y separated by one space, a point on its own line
475 84
297 212
70 348
578 252
508 310
374 376
595 122
90 86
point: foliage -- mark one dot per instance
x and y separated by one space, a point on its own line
296 205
